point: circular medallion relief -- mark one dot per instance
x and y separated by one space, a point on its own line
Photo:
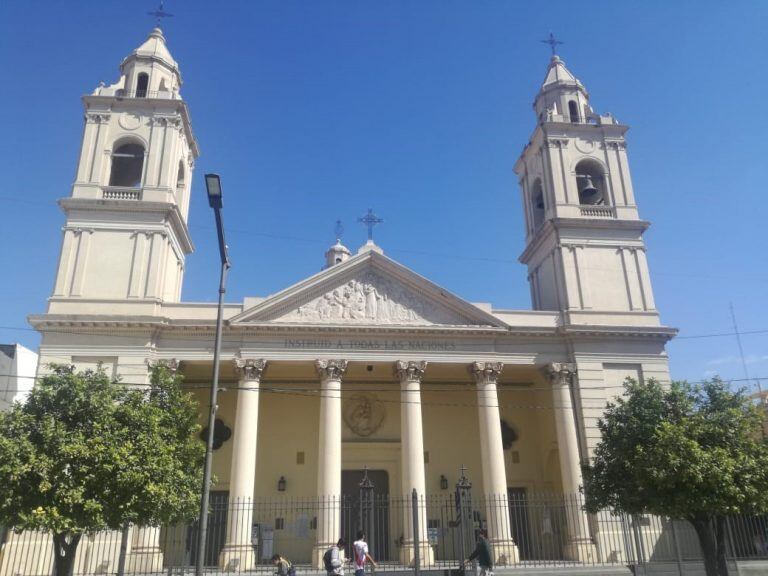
585 147
364 414
129 121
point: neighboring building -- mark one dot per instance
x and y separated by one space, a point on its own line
367 364
18 367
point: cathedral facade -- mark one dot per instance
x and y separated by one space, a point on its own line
365 365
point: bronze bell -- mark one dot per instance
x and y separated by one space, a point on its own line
589 194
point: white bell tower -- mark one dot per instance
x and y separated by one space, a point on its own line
584 247
126 236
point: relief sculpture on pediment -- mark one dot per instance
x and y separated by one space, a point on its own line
372 299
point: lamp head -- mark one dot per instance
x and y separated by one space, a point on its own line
213 187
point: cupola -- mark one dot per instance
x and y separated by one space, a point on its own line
337 254
561 96
150 71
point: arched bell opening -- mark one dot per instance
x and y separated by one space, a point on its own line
538 207
590 181
127 165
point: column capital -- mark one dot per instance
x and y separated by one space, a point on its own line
486 372
250 368
410 370
560 373
170 363
330 369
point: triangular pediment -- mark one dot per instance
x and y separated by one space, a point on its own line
368 289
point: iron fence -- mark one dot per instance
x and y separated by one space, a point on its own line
525 529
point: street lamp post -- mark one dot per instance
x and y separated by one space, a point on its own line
213 187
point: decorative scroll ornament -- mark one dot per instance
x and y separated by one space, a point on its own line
96 118
560 373
410 370
373 299
249 368
486 372
331 369
364 414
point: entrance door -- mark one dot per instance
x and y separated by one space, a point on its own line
216 533
518 517
371 516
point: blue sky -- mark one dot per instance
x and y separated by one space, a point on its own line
314 111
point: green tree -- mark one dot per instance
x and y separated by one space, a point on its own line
687 452
86 453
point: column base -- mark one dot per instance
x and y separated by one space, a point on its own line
318 551
237 557
426 554
149 559
505 552
580 550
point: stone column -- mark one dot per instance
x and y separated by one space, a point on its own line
238 551
145 552
329 457
412 452
492 453
579 545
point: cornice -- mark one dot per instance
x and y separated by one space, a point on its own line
599 331
178 105
166 327
554 225
166 208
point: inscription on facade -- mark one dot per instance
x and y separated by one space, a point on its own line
345 344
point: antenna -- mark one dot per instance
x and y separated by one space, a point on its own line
741 353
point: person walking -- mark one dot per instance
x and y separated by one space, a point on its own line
483 554
332 559
362 556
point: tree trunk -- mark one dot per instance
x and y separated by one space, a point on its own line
711 532
64 551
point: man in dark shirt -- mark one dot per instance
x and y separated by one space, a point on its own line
483 554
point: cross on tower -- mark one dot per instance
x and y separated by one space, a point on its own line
553 42
160 13
339 230
370 220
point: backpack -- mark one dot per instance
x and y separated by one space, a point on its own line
328 560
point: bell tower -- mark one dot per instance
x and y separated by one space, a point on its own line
126 236
584 238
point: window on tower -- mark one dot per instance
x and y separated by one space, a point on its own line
538 207
590 181
142 83
127 166
573 111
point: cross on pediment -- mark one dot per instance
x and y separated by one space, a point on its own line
370 220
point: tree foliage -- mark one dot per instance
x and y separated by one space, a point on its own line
688 452
85 453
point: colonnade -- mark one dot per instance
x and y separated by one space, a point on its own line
238 549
